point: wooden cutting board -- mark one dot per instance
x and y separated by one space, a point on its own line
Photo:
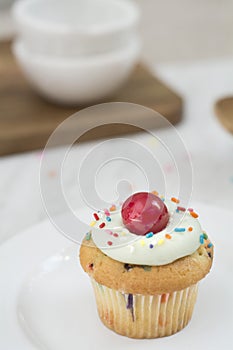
27 120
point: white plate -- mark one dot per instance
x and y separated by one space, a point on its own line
46 301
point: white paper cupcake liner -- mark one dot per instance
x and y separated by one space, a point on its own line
145 316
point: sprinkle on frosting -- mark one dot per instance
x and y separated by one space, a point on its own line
113 208
150 234
88 236
150 249
155 193
193 214
106 212
96 217
179 229
205 235
160 241
181 208
175 200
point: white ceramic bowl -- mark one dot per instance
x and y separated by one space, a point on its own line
75 27
77 80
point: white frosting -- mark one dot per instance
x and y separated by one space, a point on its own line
118 243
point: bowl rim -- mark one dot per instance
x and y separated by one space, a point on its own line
132 48
23 18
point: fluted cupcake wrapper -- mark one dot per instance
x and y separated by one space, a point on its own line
145 316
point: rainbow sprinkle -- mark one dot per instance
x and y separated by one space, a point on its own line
102 225
108 218
205 235
106 212
175 200
161 241
155 193
193 214
151 246
210 245
150 234
96 217
93 223
168 236
181 209
201 239
88 236
179 229
109 243
142 242
190 229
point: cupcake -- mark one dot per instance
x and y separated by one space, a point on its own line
145 260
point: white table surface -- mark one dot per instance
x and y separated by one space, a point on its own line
210 146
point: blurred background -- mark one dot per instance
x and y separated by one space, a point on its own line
189 30
176 30
186 49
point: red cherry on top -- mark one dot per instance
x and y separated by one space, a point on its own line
144 212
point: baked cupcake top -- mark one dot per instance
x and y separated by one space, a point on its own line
181 236
144 279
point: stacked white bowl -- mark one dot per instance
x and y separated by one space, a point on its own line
76 51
